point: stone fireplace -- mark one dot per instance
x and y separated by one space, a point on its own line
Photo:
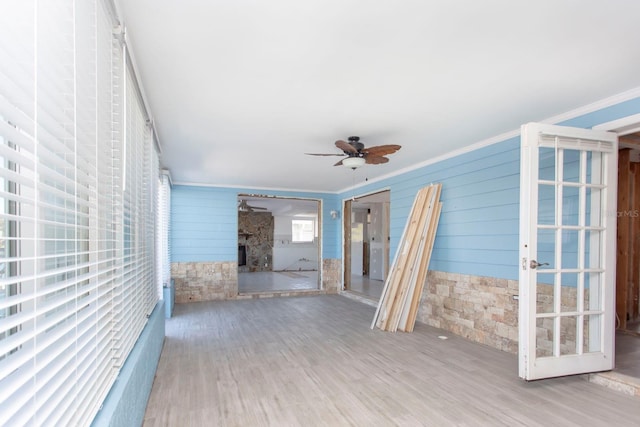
255 241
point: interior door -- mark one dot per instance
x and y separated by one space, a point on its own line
567 251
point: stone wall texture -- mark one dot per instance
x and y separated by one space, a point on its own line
205 281
568 324
255 232
481 309
331 274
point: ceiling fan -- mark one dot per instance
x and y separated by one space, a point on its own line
358 155
243 206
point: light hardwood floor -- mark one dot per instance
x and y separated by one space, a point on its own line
267 281
313 361
367 287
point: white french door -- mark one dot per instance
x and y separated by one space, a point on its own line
567 251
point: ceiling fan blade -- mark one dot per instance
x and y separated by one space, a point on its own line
345 146
381 150
354 148
375 160
243 206
323 154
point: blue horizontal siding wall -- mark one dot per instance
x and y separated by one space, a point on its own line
204 222
126 402
478 232
479 225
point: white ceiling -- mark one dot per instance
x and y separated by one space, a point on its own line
240 90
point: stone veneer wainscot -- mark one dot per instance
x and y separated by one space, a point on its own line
331 274
207 281
482 309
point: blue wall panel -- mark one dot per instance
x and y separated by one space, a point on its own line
478 232
479 225
126 402
331 228
204 222
614 112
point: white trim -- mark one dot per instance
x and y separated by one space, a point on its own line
572 114
167 173
370 193
276 196
594 106
623 126
451 154
247 189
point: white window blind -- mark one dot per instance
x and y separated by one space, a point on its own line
78 190
164 227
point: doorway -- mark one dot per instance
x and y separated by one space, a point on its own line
366 243
628 257
628 236
627 346
279 241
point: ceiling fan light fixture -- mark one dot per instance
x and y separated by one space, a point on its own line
353 162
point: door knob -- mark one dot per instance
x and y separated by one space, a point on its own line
535 264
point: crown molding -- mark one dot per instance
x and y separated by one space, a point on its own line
572 114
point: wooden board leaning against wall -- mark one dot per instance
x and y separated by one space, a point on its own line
398 306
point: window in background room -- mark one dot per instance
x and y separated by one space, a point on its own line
302 230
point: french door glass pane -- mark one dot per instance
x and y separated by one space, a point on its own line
546 164
570 205
592 333
544 337
570 165
593 244
545 285
547 247
569 291
546 204
570 248
568 335
594 165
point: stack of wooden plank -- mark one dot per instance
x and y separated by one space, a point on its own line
398 306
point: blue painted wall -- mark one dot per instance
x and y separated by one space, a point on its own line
126 402
204 222
479 225
478 230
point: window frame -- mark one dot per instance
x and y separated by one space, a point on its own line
296 234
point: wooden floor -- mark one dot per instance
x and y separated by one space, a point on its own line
628 355
366 287
314 361
267 281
